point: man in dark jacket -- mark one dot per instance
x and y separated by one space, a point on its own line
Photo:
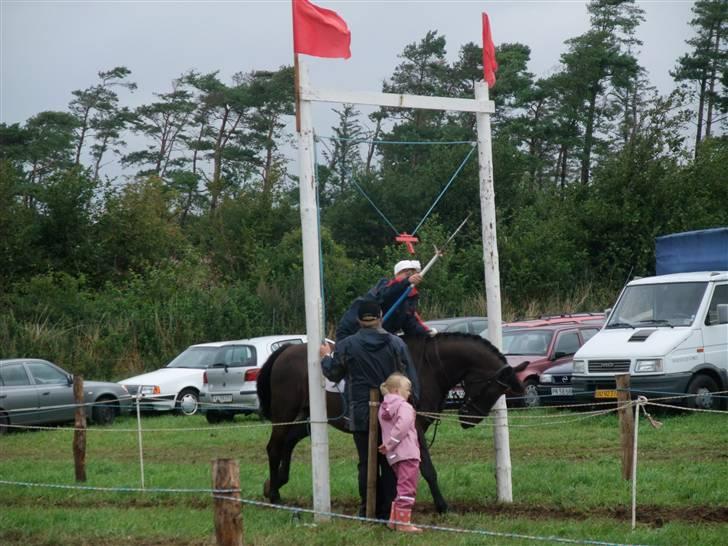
387 291
366 359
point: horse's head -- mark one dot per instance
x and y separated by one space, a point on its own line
481 392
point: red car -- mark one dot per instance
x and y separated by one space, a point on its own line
545 343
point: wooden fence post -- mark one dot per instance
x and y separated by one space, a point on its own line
79 434
228 513
626 425
372 468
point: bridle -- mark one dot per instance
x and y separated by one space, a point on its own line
470 406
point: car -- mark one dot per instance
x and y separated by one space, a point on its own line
543 347
229 388
596 319
466 325
177 386
554 387
34 391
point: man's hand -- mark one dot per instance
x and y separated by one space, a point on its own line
415 279
324 350
382 449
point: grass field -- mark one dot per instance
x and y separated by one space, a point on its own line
566 483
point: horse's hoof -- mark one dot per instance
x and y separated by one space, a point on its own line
441 508
266 489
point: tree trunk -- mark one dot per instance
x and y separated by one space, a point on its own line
701 106
267 175
370 153
588 138
711 92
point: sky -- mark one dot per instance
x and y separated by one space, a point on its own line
48 48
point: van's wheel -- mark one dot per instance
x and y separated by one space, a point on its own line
703 387
531 398
4 422
188 402
104 411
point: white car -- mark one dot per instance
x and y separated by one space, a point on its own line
177 386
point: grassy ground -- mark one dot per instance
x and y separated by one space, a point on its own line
566 483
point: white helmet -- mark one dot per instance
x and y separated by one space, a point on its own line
407 264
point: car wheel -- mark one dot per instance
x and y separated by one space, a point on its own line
104 411
531 398
4 422
187 402
703 387
213 417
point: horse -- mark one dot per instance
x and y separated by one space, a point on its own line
442 361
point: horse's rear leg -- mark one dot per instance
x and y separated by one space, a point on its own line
427 469
275 450
295 435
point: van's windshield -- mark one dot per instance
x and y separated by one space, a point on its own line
666 304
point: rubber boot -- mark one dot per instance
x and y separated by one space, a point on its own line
402 518
392 518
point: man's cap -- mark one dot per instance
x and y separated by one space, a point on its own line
407 264
369 310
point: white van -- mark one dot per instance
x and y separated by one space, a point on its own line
669 332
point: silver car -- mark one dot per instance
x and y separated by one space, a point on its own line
37 392
229 385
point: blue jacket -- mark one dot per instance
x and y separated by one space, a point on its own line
366 359
387 292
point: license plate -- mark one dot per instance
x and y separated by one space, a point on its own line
456 394
222 398
562 391
605 393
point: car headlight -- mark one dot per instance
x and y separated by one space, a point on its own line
149 389
579 366
547 378
648 365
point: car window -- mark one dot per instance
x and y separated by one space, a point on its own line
195 357
237 356
45 374
14 375
568 343
278 344
720 296
527 342
478 326
460 327
588 333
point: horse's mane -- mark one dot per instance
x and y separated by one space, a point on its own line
263 385
473 337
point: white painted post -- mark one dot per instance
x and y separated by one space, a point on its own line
314 308
139 435
492 291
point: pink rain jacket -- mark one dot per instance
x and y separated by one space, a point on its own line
397 419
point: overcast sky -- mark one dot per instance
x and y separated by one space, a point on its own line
52 47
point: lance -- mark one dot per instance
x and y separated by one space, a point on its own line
438 253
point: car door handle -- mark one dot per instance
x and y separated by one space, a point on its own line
46 393
3 396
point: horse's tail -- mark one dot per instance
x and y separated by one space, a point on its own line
264 382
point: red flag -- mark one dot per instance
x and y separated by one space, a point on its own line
490 65
319 32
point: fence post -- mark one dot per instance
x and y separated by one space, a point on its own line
228 513
79 433
372 453
626 425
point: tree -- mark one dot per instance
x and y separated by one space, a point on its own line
98 114
706 65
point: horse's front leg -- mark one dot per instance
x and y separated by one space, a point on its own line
427 469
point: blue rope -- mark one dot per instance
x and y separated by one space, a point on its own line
452 178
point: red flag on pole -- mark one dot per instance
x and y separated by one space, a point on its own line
490 65
319 32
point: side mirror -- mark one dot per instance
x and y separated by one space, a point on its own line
723 313
561 354
69 378
607 312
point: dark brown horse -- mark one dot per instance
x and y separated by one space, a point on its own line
441 361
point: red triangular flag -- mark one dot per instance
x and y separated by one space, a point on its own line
319 32
490 65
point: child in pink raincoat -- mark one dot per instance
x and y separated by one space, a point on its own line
401 447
